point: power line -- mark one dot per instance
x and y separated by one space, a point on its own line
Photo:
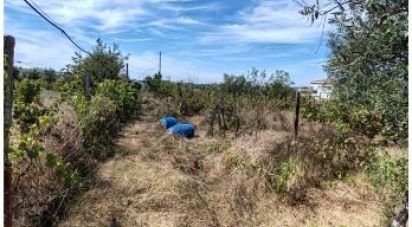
56 26
44 13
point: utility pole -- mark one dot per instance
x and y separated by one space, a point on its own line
9 43
127 70
160 62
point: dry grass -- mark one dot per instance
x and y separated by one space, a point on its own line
36 190
160 180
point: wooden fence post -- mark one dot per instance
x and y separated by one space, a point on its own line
9 43
297 110
211 122
237 118
87 86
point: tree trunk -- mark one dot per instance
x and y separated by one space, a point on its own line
223 119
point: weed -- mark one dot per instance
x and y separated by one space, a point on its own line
218 148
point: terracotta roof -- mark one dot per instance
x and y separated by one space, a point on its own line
324 81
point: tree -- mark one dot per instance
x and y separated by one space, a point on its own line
235 84
154 82
50 76
369 58
103 63
32 73
280 85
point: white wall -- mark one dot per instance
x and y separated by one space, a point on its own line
322 91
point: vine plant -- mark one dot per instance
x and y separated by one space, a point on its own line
35 122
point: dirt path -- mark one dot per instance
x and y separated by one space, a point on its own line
159 180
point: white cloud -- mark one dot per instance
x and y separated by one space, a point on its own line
209 7
131 40
186 21
174 23
35 49
103 15
267 22
83 19
254 33
272 22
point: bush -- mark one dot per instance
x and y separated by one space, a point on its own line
69 85
26 105
115 101
281 176
388 171
99 125
104 62
124 96
357 117
154 82
27 114
27 91
389 175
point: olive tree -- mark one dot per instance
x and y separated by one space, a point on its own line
369 58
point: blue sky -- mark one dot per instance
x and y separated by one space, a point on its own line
199 40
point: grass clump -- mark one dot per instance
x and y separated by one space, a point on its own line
218 148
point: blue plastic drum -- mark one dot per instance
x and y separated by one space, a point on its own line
187 130
168 122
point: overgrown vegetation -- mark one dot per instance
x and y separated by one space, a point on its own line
35 121
104 62
338 139
239 104
42 126
368 63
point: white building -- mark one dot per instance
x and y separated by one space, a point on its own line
322 89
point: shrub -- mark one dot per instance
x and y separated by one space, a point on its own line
104 62
124 96
27 114
388 171
154 82
69 85
99 125
26 106
357 117
27 91
389 175
280 178
114 101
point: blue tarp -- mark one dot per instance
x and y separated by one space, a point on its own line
186 129
168 122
